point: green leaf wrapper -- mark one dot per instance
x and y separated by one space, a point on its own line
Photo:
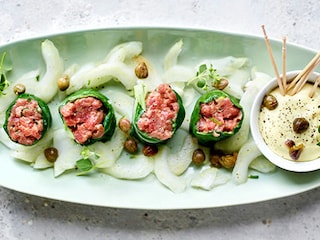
109 122
140 109
214 136
45 112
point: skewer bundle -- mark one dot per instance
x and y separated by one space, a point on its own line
301 79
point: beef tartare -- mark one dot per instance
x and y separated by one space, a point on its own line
27 119
216 116
162 114
89 116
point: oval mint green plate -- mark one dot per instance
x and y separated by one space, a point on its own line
103 190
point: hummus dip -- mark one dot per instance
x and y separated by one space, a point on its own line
276 126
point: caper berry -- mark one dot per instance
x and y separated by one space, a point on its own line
130 145
270 102
19 88
63 82
51 154
150 150
141 70
300 125
198 156
124 125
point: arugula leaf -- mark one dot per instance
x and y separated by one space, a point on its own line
206 77
4 83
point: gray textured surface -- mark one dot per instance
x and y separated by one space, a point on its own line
28 217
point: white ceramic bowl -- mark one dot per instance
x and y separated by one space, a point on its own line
295 166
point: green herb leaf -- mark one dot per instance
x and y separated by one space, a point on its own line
85 166
201 83
206 77
253 176
202 69
87 154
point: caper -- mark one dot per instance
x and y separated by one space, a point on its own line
130 145
150 150
295 151
198 156
289 143
270 102
300 125
63 82
51 154
19 88
228 160
141 70
221 84
215 160
124 125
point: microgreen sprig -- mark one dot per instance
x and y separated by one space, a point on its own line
206 77
86 165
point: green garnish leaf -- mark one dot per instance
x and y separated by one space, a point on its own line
253 176
206 77
202 69
85 166
87 154
201 83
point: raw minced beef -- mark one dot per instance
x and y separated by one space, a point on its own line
85 118
219 115
161 111
25 123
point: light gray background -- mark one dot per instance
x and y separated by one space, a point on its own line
28 217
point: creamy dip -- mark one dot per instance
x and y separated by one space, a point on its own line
276 125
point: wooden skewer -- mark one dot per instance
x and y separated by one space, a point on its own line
304 77
284 64
273 61
315 85
298 77
300 80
